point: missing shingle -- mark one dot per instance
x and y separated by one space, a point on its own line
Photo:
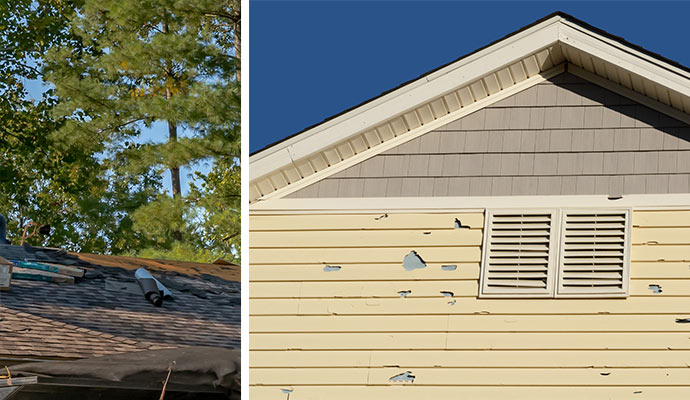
381 217
449 267
404 293
458 225
655 288
413 261
331 268
404 377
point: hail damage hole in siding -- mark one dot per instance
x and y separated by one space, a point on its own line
682 320
413 261
604 373
288 392
449 267
404 293
615 196
637 392
331 268
381 217
450 294
427 233
404 377
655 288
458 225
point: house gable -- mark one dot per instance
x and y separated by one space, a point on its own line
564 136
505 67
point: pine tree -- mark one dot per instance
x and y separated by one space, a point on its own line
140 63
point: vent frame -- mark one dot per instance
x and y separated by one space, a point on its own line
563 291
555 269
487 291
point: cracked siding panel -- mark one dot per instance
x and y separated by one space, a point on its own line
460 289
309 328
536 341
591 132
410 392
470 358
461 377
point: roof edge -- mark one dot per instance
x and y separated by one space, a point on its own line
559 13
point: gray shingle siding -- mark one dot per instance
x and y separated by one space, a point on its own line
565 136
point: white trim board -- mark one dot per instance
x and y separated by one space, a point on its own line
491 72
415 133
425 88
456 204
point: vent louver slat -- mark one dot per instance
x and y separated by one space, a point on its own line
518 254
593 253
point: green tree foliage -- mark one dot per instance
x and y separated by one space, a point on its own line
135 65
74 158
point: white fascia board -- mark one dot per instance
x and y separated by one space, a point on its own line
452 204
417 132
424 89
623 57
652 60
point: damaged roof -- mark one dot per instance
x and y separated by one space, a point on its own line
105 312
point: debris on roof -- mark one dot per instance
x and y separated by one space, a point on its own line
153 290
104 312
39 275
5 274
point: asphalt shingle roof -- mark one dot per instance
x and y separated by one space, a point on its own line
107 314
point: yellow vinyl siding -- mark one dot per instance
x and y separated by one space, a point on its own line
410 392
343 334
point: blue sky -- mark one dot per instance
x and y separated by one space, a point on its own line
310 60
158 133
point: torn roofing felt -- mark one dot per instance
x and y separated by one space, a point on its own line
105 312
191 366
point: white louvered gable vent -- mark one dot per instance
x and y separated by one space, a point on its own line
519 254
594 253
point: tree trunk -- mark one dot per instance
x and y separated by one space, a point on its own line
238 43
172 138
174 171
